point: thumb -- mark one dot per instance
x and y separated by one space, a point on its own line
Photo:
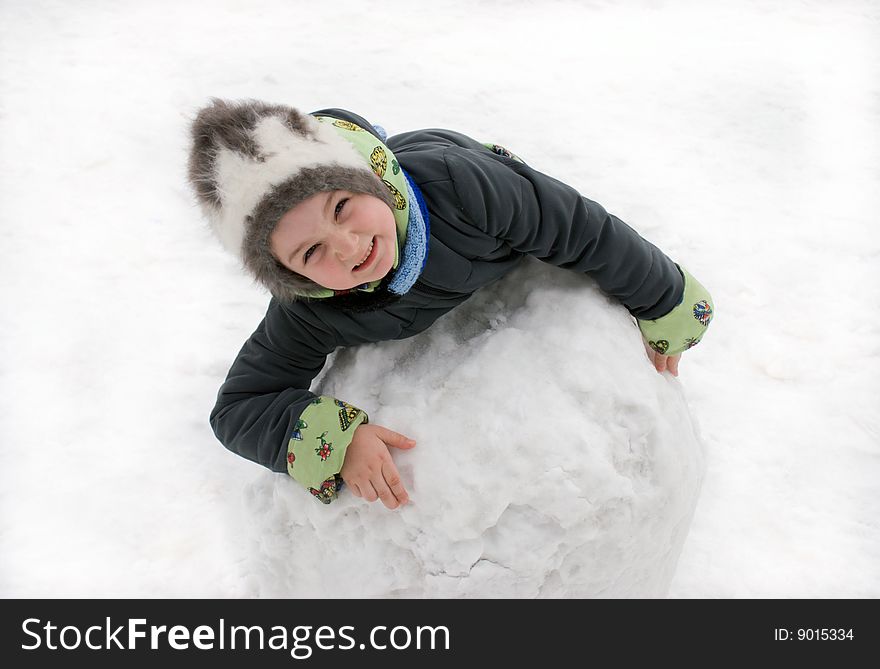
395 439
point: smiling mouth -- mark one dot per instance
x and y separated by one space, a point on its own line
367 255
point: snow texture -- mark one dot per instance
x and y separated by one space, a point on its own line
540 470
741 137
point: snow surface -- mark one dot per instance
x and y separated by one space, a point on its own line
740 137
540 469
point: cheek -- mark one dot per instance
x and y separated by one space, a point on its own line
388 223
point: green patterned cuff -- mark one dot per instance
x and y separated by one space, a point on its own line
684 326
318 444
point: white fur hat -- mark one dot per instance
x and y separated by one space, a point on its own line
251 162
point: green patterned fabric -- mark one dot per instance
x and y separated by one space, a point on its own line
316 449
684 326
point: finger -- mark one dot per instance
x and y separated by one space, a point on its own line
392 479
660 362
672 364
393 438
369 492
385 494
355 490
654 357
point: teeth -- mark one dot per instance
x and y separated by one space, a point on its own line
367 255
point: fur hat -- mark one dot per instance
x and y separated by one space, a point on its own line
251 162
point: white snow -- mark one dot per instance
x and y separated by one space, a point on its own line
540 469
740 137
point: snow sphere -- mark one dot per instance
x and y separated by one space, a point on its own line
551 460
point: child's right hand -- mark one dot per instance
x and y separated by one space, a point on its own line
368 468
662 362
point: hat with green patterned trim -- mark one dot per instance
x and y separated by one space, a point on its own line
251 162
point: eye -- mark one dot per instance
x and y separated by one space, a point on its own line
340 205
308 254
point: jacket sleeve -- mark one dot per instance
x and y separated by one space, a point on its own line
266 413
538 215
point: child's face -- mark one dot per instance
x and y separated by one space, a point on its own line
328 236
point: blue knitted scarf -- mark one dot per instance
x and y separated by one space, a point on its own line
414 253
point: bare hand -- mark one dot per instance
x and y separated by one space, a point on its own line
368 468
662 362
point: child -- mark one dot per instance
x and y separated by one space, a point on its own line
362 238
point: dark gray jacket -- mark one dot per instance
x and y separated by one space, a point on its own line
487 211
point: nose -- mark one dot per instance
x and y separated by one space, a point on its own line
346 243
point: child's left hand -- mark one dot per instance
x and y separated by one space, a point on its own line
662 362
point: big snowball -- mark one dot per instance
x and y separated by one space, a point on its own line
551 460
